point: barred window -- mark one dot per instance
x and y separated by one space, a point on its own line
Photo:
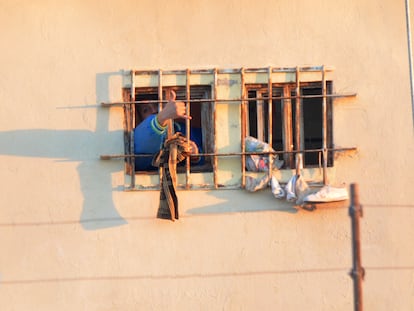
291 113
201 113
289 109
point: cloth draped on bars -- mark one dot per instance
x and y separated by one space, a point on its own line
175 150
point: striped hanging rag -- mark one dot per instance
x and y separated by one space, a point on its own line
175 150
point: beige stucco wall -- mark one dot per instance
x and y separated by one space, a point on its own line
72 239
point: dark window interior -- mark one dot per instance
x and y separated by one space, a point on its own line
200 111
311 122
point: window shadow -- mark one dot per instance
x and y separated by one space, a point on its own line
84 147
243 202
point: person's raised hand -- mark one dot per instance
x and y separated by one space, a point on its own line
172 110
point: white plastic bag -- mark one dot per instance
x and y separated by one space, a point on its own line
328 194
277 190
254 184
296 189
260 162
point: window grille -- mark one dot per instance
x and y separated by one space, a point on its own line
283 107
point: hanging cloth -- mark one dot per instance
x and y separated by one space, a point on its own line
297 189
175 150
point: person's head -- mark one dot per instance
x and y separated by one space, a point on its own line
145 110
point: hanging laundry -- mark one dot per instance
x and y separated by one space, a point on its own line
290 189
254 184
277 190
297 189
260 162
175 150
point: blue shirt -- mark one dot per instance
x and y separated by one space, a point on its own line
149 137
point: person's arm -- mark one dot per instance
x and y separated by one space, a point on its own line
149 136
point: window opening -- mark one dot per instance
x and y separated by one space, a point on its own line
284 114
201 112
289 108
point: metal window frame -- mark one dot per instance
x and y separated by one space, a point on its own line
287 89
129 112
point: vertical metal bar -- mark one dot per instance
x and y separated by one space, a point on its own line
287 126
160 98
188 127
215 162
243 127
410 54
324 129
298 117
131 130
357 273
270 116
260 118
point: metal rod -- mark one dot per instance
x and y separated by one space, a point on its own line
357 273
324 129
119 156
193 187
215 162
270 117
188 127
287 126
235 101
298 116
234 70
410 54
243 128
131 129
160 107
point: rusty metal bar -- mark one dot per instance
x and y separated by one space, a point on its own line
215 161
243 128
174 72
223 100
260 119
287 135
181 187
234 70
298 116
188 127
410 53
131 131
160 100
160 107
358 272
231 154
324 129
270 117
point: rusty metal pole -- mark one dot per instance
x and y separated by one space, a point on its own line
357 273
131 127
410 53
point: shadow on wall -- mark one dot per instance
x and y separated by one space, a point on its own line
84 147
98 210
244 202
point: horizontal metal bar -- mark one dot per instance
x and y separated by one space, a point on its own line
236 70
289 69
236 100
173 72
195 187
230 154
184 187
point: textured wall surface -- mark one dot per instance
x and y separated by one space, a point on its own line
72 239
